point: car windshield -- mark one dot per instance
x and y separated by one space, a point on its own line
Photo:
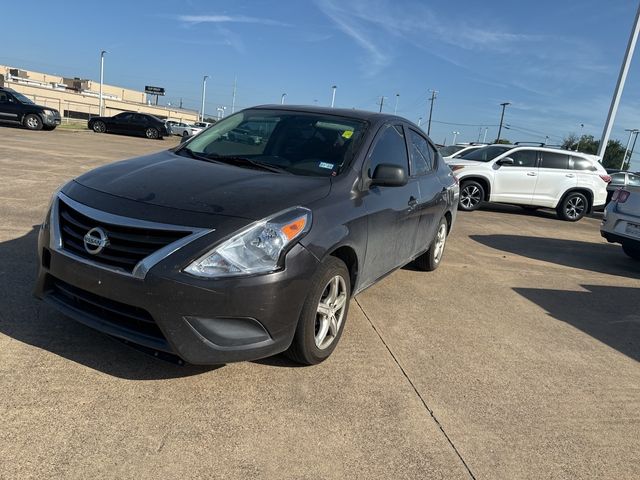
450 150
301 143
22 99
486 154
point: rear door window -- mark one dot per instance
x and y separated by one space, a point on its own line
581 164
554 160
421 154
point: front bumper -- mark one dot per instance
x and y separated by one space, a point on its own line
202 321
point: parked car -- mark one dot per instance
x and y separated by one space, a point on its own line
572 183
17 109
244 135
184 129
130 123
218 255
456 151
620 180
621 222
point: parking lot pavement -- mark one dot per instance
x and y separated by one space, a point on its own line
518 358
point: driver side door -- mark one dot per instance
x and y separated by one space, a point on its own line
9 108
392 212
515 183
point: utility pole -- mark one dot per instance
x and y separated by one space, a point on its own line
455 135
233 97
433 98
395 109
181 103
204 92
622 77
626 150
282 98
381 103
504 105
100 102
333 96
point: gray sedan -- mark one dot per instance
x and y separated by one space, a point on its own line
621 223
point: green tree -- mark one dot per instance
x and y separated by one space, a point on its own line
503 141
588 144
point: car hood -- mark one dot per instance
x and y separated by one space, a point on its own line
169 180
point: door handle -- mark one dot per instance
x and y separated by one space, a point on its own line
570 175
413 203
531 174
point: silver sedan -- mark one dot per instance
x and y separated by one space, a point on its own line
621 223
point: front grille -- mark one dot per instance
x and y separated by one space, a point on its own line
118 314
127 245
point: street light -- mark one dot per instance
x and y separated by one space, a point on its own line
282 98
204 88
419 121
395 109
504 105
100 105
455 135
220 111
333 95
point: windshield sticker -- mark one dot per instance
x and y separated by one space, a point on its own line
347 134
326 165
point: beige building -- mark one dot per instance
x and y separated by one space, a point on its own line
78 99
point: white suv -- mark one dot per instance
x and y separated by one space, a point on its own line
573 183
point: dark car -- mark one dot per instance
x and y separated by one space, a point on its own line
221 251
17 109
130 123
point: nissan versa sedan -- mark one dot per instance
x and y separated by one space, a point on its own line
221 250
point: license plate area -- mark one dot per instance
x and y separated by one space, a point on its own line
632 229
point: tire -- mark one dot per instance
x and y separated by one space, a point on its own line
185 134
49 128
631 250
152 133
316 335
32 122
471 196
573 207
99 127
430 260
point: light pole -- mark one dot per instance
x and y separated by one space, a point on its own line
626 150
580 137
381 103
433 98
221 111
282 98
419 121
455 135
100 105
504 105
622 77
633 146
395 109
546 139
204 92
333 95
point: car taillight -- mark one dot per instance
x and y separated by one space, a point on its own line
620 196
605 178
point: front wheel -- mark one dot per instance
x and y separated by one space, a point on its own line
33 122
430 260
152 133
185 134
323 315
573 207
631 250
471 196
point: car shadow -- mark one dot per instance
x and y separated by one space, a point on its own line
596 257
608 314
30 321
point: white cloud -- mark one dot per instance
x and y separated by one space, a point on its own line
230 19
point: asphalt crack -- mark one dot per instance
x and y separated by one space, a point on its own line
415 389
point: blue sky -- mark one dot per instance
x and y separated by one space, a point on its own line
556 61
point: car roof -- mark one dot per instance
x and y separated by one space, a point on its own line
341 112
545 149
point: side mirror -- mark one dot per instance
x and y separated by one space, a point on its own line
387 175
506 161
184 138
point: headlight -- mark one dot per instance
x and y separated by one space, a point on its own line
48 113
256 249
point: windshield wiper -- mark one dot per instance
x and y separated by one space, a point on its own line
197 156
243 161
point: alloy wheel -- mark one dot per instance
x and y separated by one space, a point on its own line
99 127
152 133
470 196
330 312
33 122
441 239
575 207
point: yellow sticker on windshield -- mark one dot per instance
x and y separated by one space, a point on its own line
347 133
